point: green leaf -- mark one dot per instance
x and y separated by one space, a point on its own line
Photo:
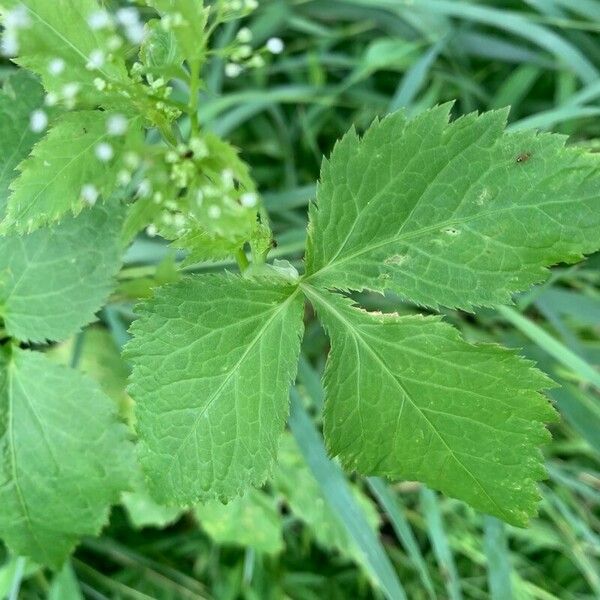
160 52
64 173
60 30
65 457
52 281
456 214
20 96
187 22
143 511
213 357
251 520
407 398
99 358
205 203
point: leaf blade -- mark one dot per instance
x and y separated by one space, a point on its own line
222 326
52 281
455 214
464 408
96 456
54 178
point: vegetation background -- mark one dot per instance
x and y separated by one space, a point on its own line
314 533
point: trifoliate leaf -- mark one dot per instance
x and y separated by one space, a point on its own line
252 520
53 280
71 168
68 43
213 357
456 214
65 457
21 95
407 398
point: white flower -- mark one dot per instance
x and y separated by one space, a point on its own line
104 152
95 60
17 18
10 44
128 16
99 19
249 199
116 125
232 70
100 84
244 35
251 4
135 33
38 121
69 90
152 230
144 189
56 66
89 194
275 45
214 212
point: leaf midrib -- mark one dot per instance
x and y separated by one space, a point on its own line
276 312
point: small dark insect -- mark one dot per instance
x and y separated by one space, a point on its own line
523 157
84 130
187 154
274 243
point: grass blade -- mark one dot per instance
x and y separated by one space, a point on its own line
552 346
402 529
336 491
498 559
439 541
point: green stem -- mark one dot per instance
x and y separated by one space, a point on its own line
194 96
242 260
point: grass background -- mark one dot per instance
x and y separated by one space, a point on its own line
346 62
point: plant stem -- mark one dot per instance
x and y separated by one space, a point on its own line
194 96
242 260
